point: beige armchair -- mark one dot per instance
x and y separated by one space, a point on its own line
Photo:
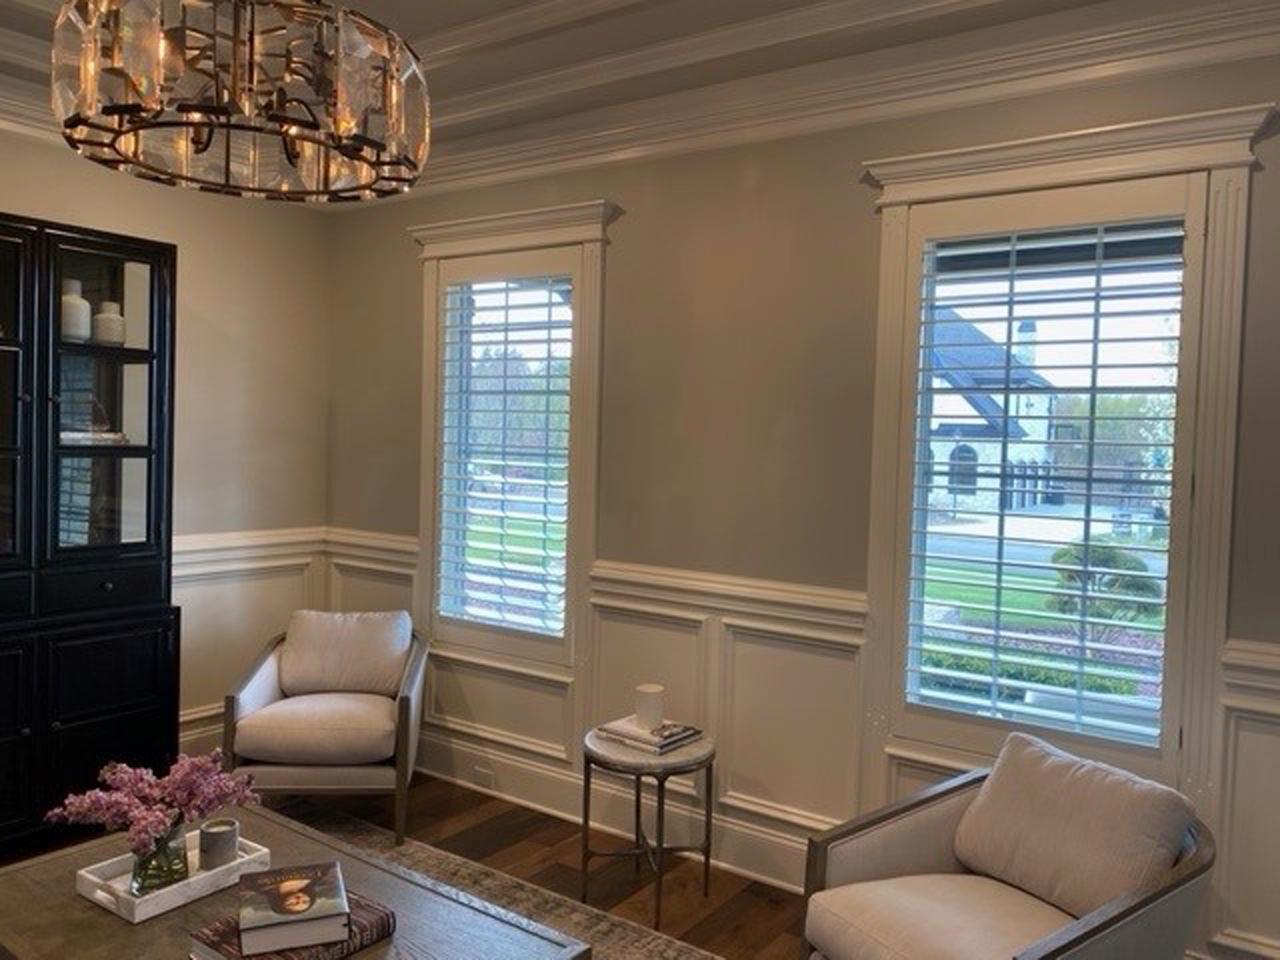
331 706
1044 856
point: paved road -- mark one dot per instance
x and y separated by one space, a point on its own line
1016 552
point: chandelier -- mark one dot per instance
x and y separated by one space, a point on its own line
284 99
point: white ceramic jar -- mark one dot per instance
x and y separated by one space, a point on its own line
108 324
77 323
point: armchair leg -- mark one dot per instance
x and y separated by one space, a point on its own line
401 811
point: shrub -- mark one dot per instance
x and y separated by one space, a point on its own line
1060 677
1113 591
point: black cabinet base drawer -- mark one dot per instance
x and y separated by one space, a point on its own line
15 595
101 589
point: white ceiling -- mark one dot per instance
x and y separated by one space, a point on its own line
518 83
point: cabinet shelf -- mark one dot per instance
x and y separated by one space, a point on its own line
105 351
103 450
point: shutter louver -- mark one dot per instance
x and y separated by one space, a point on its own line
504 457
1043 473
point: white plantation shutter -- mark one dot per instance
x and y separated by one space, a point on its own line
504 452
1042 474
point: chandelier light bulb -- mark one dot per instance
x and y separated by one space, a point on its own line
284 99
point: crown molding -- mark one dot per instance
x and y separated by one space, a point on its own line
912 80
522 230
24 109
1196 141
848 92
445 46
804 23
46 8
24 51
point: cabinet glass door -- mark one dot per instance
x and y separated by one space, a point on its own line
15 259
103 398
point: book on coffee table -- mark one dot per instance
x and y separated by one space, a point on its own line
370 922
293 907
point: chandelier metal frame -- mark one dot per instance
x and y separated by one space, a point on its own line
336 99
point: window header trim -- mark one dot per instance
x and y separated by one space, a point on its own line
1210 140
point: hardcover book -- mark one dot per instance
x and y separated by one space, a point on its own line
370 922
293 907
667 736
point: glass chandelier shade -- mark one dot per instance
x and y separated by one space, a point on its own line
285 99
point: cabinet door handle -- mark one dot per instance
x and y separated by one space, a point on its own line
106 586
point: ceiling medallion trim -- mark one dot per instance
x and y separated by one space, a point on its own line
281 99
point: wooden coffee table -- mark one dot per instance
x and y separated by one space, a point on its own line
43 918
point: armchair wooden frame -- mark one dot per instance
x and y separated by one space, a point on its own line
1074 939
408 698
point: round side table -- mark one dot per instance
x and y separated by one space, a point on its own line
612 756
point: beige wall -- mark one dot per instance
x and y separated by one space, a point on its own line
252 390
739 342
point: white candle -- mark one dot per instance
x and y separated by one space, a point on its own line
649 705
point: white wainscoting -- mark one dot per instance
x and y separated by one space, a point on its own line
774 671
237 590
1246 906
770 669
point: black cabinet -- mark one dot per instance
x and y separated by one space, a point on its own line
88 638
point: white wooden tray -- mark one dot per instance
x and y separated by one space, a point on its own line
107 883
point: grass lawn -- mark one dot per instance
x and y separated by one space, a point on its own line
491 539
1022 606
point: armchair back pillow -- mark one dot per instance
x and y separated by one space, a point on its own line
1072 832
345 652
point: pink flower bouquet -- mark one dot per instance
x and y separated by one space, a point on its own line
151 807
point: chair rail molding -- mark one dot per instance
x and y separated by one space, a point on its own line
800 604
1214 681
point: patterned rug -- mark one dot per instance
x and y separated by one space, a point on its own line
611 938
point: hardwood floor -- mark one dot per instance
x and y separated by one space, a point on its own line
740 919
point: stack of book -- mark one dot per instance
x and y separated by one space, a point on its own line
665 737
297 913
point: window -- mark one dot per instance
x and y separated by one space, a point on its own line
506 353
1039 567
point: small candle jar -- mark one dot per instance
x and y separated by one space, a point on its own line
219 842
649 705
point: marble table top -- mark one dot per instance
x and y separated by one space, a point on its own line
614 754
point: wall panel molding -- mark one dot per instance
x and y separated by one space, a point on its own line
792 603
1247 846
517 676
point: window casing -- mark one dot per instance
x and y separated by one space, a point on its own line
509 454
1025 484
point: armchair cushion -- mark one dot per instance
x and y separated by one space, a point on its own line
320 728
1072 832
350 652
952 916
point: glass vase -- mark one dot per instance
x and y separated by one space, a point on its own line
165 865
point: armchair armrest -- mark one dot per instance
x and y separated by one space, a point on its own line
258 688
915 835
409 709
1152 923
